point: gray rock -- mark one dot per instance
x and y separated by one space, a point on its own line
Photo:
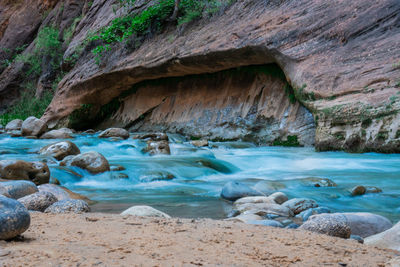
264 208
33 126
60 150
114 132
389 239
304 215
15 133
91 161
333 225
245 218
63 133
271 223
358 190
145 211
235 190
67 206
298 205
366 224
56 190
254 200
37 172
279 197
14 125
14 218
38 201
4 192
200 143
18 189
319 182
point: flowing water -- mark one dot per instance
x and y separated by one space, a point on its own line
200 174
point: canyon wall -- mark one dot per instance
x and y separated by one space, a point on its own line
340 57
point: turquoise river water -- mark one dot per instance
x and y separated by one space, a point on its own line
200 174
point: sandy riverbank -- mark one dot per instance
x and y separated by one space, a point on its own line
95 239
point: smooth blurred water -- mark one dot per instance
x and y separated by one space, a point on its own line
201 173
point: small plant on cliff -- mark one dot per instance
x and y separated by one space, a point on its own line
291 141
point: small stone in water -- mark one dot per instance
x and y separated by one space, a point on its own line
358 190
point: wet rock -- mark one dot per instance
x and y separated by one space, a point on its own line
55 190
4 192
152 136
33 126
235 190
245 218
304 215
366 224
328 224
119 176
157 148
233 213
319 182
262 209
60 150
63 133
38 201
14 125
156 176
298 205
358 190
14 218
91 161
373 189
116 168
18 189
67 206
279 197
37 172
114 132
254 200
15 133
145 211
389 239
358 238
200 143
292 226
271 223
215 165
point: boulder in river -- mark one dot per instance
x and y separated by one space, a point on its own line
158 148
63 133
358 190
152 136
329 224
14 218
60 150
33 126
373 189
37 172
114 132
389 239
18 189
38 201
319 182
235 190
279 197
254 200
14 125
117 168
145 211
199 143
68 205
91 161
366 224
298 205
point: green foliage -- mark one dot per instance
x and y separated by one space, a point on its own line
13 54
291 141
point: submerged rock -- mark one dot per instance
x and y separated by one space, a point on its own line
329 224
156 176
18 189
14 218
157 148
235 190
116 168
37 172
67 206
358 190
38 201
14 125
91 161
63 133
373 189
33 126
269 187
115 132
389 239
298 205
145 211
319 182
60 150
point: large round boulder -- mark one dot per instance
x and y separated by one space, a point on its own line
18 189
38 201
328 224
365 224
60 150
14 125
389 239
235 190
91 161
63 133
68 206
298 205
37 172
33 126
14 218
145 211
115 132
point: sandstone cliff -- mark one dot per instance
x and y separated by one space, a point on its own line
340 57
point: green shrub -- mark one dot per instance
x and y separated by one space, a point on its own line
291 141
